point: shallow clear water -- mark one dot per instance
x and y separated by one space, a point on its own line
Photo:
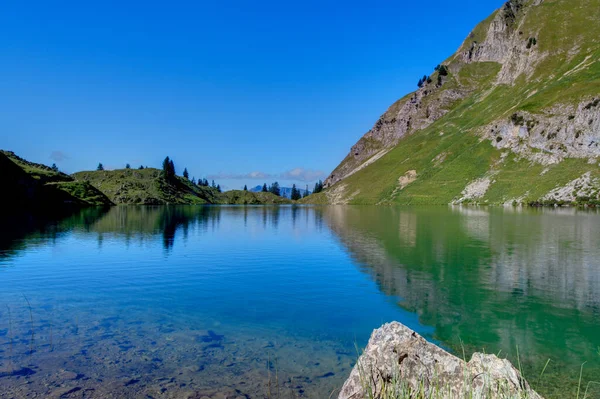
272 301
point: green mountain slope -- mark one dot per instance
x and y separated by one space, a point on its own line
147 187
240 197
31 185
512 116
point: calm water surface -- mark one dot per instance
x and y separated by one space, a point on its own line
256 302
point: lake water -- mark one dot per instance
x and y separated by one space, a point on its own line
272 302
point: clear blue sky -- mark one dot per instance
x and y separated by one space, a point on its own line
225 88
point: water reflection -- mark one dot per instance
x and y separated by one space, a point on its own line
495 279
150 283
19 229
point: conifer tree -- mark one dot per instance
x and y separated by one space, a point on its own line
127 166
264 188
318 187
274 189
295 193
100 166
218 187
168 170
165 168
186 175
245 187
141 167
54 167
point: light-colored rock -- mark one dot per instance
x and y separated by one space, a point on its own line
561 131
584 186
474 190
407 178
398 358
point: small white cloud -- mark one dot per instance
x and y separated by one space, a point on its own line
301 174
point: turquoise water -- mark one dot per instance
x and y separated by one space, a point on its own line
272 301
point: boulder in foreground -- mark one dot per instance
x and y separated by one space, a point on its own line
399 363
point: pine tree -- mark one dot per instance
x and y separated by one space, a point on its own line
218 187
318 187
100 166
127 166
295 193
274 189
141 167
186 175
213 184
245 187
443 70
168 170
165 168
54 168
194 181
264 188
420 84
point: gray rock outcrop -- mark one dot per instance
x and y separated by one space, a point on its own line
399 361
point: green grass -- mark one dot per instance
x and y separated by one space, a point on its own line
384 387
146 187
46 187
240 197
566 35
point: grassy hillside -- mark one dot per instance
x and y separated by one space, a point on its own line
31 185
522 122
147 187
240 197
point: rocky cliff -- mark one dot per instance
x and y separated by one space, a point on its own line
523 88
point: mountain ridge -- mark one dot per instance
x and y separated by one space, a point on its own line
522 90
35 186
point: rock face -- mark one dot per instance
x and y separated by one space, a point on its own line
564 131
398 360
524 84
406 116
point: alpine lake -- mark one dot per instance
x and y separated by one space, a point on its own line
278 301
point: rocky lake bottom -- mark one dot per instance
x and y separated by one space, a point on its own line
277 302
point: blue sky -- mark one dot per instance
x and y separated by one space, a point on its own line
229 89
